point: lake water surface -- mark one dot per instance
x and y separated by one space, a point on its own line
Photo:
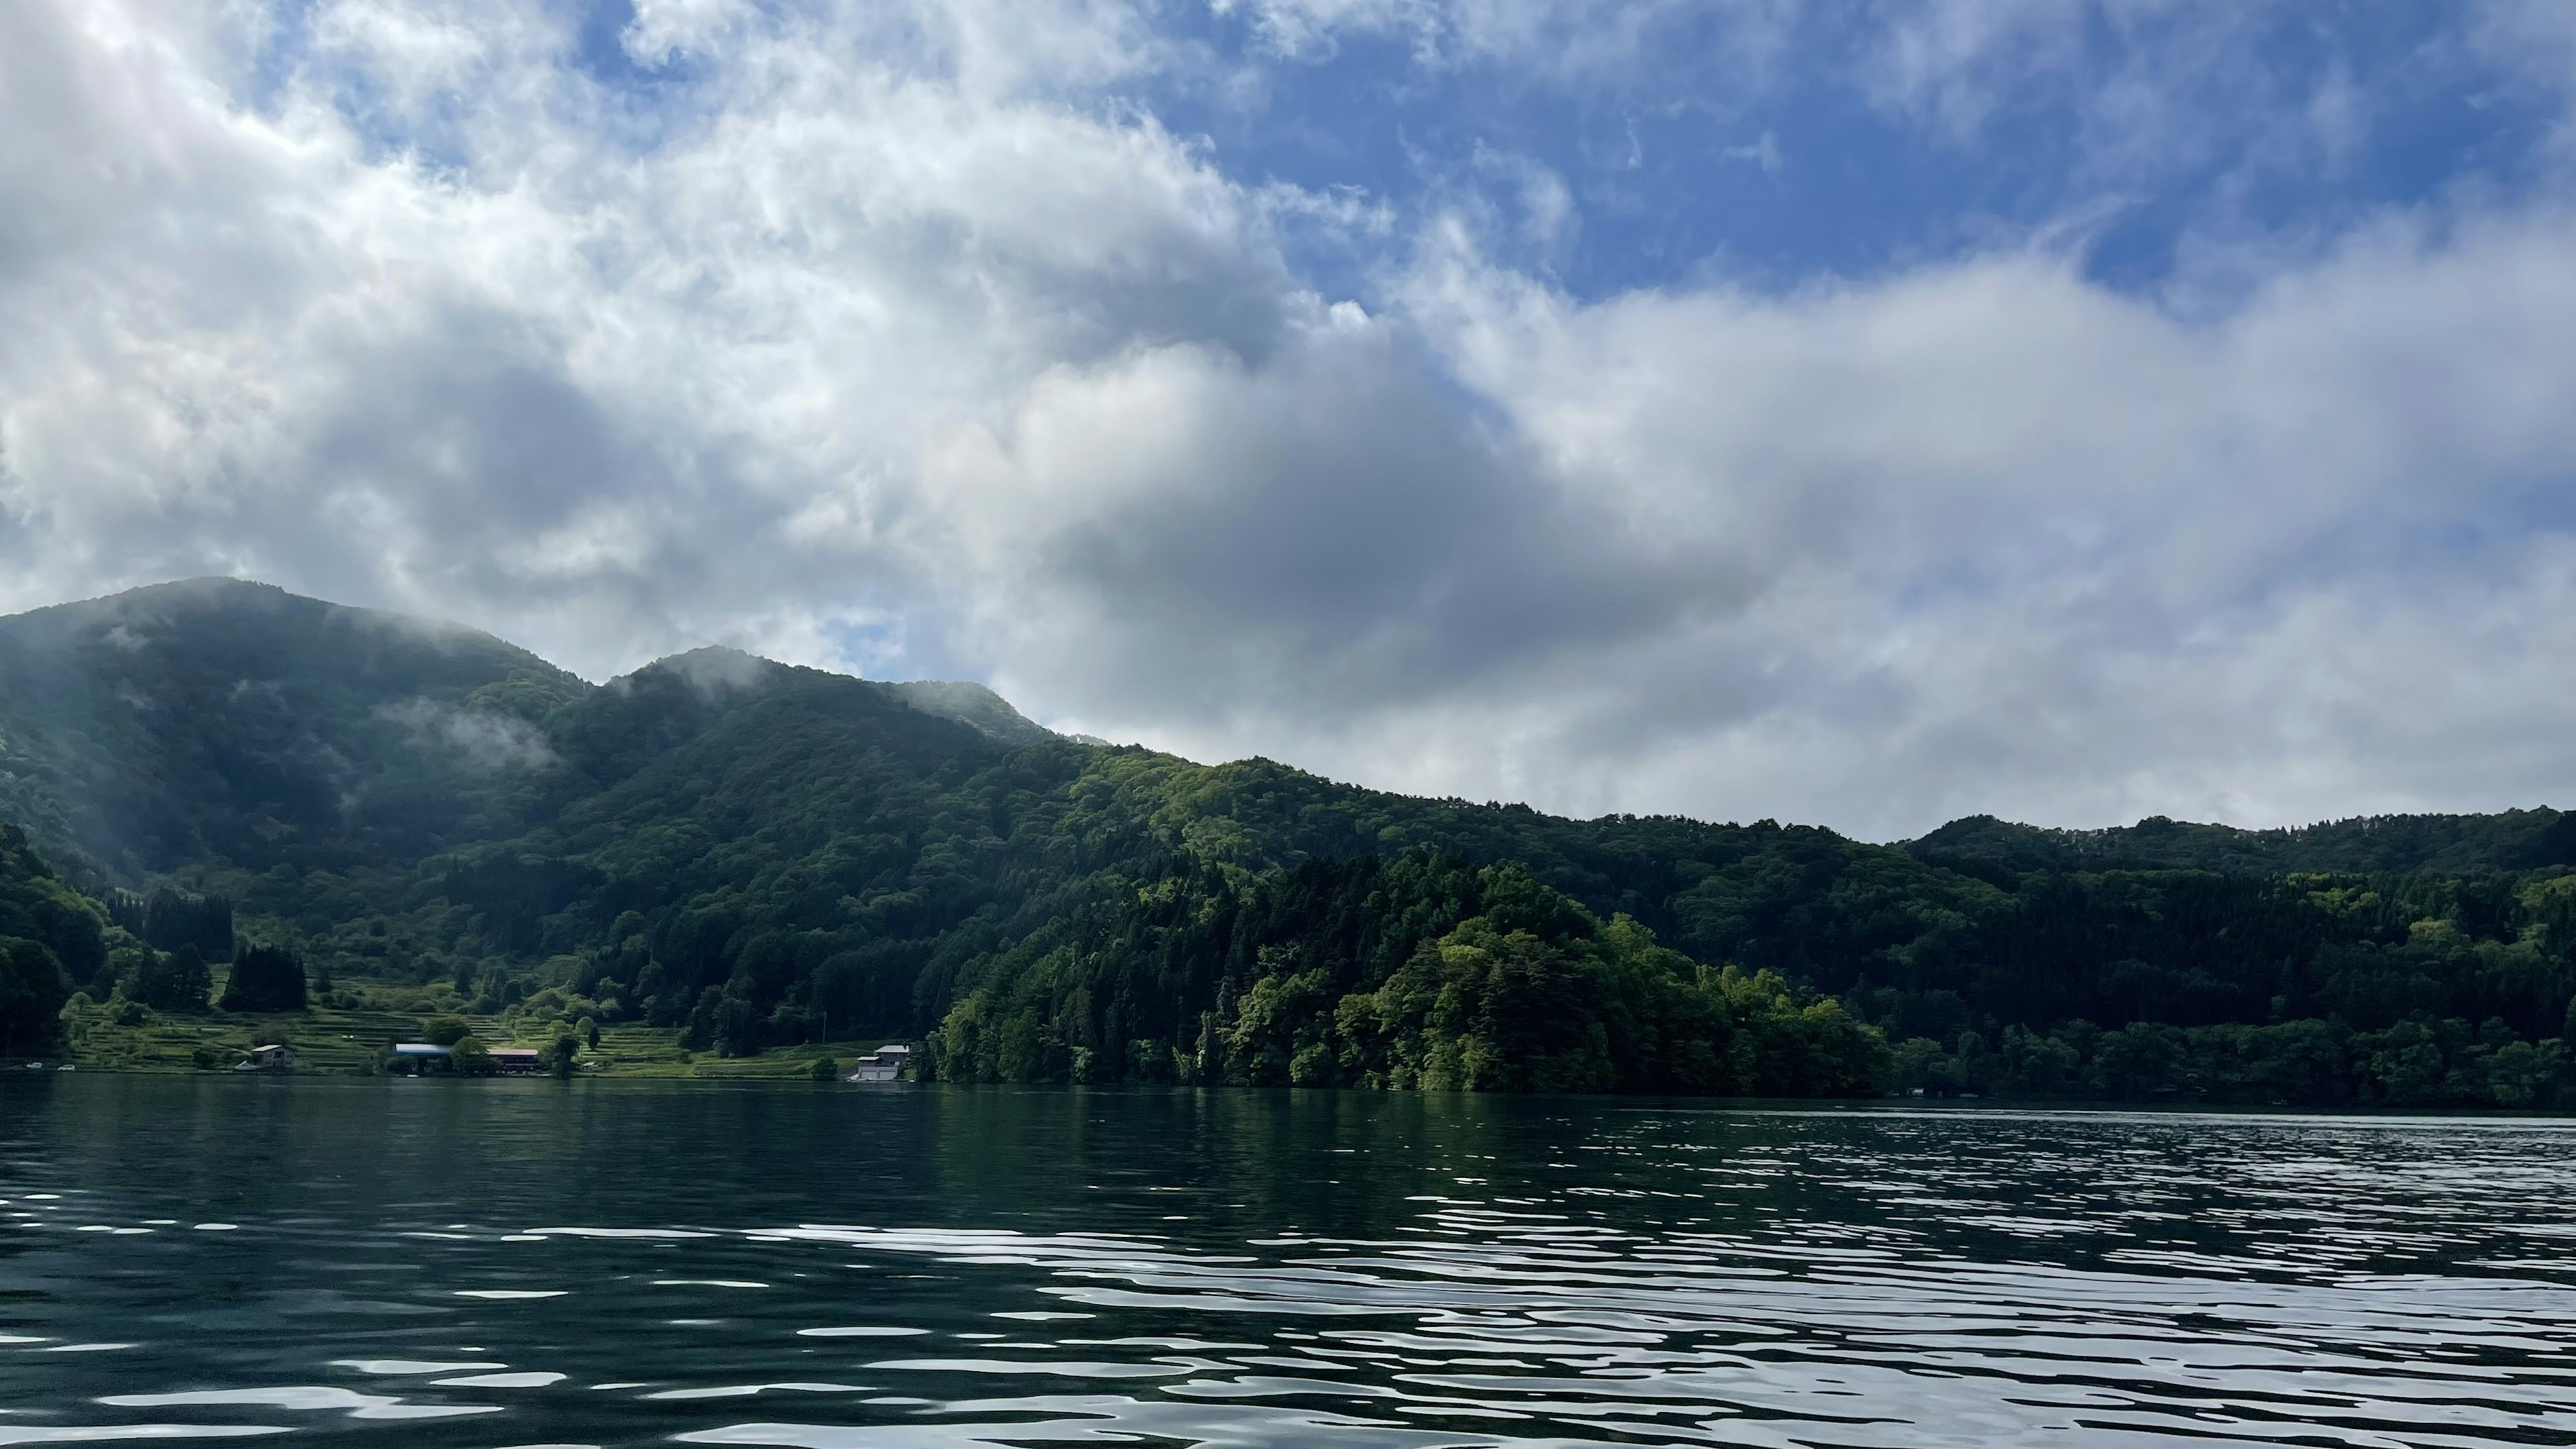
521 1263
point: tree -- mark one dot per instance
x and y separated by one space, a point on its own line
174 981
561 1053
33 989
825 1069
172 919
445 1031
588 1030
39 909
264 978
469 1057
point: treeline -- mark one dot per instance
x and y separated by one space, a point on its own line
1932 952
2511 841
49 934
1411 972
168 919
55 942
2313 990
2421 1061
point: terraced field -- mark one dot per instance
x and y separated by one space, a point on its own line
351 1040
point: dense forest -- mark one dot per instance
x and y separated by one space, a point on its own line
749 853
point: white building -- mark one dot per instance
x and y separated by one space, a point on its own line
885 1064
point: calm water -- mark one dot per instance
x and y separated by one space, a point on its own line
523 1263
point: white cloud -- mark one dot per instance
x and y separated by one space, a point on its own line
663 29
894 339
486 740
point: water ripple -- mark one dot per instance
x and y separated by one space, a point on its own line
1382 1277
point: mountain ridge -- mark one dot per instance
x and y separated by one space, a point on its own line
2514 839
87 773
740 851
2520 839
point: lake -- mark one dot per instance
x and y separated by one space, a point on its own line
494 1263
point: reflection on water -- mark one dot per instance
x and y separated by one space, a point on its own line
533 1263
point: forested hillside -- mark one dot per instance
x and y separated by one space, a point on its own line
49 934
744 852
2367 845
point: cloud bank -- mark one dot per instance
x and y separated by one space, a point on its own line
952 340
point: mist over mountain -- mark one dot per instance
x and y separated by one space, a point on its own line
743 851
219 721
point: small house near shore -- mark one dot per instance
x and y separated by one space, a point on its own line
885 1064
518 1059
276 1057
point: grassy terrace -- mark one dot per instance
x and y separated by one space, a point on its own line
348 1033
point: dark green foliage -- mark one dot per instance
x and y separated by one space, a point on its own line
468 1056
561 1055
50 939
445 1031
2517 840
2173 985
725 1019
173 980
264 978
33 989
2418 1062
825 1069
169 919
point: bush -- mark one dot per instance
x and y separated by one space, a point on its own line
129 1013
470 1057
445 1031
824 1070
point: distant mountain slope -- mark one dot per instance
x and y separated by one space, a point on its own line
747 850
2449 844
215 718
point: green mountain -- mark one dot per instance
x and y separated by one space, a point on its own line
2516 840
212 720
746 852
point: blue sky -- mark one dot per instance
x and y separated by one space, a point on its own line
1856 412
1770 144
2280 127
